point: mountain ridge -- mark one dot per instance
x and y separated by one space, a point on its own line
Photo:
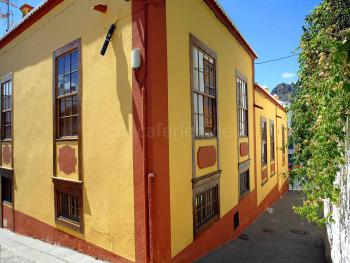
284 91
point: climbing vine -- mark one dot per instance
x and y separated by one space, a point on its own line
321 106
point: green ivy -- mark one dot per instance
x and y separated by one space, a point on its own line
321 106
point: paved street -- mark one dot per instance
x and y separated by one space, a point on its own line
20 249
278 236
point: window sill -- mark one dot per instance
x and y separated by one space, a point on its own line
68 138
58 180
205 137
244 165
206 178
76 226
7 140
7 203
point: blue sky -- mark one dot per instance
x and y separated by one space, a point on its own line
272 28
15 12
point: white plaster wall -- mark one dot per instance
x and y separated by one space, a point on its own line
339 231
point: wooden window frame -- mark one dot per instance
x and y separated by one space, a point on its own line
264 159
69 48
201 185
245 122
195 42
243 168
4 198
70 188
61 185
4 80
245 173
272 141
283 145
8 174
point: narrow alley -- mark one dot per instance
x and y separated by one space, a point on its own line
278 236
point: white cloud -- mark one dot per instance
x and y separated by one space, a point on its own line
288 75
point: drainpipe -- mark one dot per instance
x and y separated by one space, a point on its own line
150 198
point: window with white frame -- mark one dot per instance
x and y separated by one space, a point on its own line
272 140
283 145
204 92
6 110
242 107
263 142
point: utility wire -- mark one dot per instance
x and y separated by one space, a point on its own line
276 59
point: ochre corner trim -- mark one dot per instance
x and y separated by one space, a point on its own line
151 153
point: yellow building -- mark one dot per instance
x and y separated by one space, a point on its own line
133 135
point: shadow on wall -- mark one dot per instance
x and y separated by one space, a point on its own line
32 52
123 82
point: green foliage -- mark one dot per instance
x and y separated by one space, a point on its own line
321 106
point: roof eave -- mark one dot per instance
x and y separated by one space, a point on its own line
33 16
48 5
270 97
226 21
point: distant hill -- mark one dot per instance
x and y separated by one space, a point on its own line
284 91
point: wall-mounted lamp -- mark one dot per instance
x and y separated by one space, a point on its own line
108 39
135 58
100 8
